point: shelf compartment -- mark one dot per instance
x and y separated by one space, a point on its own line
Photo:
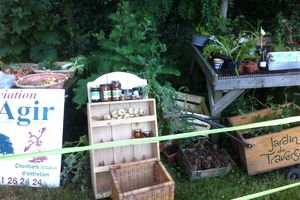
140 156
112 122
100 109
102 188
103 157
99 137
122 102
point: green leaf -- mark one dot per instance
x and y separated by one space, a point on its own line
115 34
42 51
116 58
19 25
169 70
80 97
125 50
135 59
47 37
113 17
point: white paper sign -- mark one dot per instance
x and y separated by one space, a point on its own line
31 120
284 60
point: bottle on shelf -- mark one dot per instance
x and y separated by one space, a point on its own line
95 94
105 92
116 90
263 61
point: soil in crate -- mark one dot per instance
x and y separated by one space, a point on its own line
206 157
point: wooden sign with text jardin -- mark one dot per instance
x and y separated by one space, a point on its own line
273 151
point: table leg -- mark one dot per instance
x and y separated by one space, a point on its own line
218 102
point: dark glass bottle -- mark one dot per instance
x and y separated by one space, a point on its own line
263 67
95 94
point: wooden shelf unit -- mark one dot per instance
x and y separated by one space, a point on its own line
118 129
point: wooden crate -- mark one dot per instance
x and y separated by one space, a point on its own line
193 174
270 151
147 179
191 103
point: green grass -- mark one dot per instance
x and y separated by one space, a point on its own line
69 192
236 184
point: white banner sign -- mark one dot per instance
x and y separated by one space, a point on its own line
284 60
31 120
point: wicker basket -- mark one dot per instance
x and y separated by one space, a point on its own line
37 81
68 72
146 179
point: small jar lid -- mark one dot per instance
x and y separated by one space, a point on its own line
262 63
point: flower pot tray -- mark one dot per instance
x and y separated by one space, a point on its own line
270 151
220 167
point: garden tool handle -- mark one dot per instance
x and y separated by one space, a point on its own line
210 122
169 116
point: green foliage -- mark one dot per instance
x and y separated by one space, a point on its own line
227 45
80 91
157 10
76 165
278 112
132 46
203 11
79 20
27 30
133 43
204 14
282 39
79 64
49 64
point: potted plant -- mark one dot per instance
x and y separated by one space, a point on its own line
226 48
169 149
201 36
249 56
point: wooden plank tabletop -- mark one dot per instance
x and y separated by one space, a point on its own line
260 80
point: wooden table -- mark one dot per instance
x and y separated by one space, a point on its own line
223 90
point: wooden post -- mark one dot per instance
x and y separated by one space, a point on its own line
224 8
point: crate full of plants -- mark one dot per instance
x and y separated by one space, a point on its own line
273 147
201 159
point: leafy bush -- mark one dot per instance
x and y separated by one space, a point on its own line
133 46
28 30
76 166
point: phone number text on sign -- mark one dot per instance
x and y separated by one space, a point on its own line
21 181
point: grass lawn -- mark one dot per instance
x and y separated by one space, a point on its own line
236 184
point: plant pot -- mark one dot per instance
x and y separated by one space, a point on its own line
250 66
230 67
169 150
199 40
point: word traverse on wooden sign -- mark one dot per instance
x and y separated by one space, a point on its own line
279 151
